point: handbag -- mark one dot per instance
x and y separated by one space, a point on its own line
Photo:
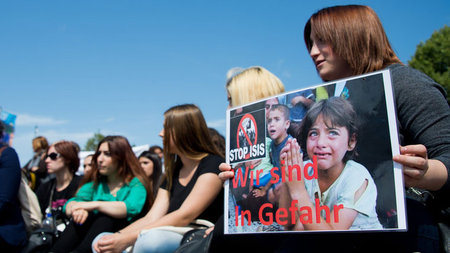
29 205
443 215
194 229
196 224
42 239
195 242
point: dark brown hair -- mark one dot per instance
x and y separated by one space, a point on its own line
155 178
337 112
128 164
282 108
218 140
69 152
153 148
355 33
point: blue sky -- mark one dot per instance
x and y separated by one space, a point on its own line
73 68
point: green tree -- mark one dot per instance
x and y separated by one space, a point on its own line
92 142
433 58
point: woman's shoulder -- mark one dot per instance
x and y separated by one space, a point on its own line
76 180
210 163
407 79
45 188
135 181
8 152
211 159
89 185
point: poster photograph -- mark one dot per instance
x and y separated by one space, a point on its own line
316 159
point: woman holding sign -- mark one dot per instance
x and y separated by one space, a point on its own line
344 41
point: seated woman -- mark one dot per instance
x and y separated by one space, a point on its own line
62 161
191 188
115 193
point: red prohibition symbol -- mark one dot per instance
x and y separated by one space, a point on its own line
247 125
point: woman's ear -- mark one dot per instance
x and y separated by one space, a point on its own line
352 142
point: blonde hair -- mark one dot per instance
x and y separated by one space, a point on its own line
253 84
40 143
355 33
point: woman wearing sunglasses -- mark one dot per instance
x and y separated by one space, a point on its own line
62 161
114 194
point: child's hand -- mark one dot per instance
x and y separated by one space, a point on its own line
292 156
415 163
226 173
259 192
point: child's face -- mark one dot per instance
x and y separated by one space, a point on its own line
277 126
329 144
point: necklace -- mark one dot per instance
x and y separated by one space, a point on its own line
115 189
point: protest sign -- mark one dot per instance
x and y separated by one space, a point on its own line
347 132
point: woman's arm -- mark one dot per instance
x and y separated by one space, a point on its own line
202 195
85 193
115 209
425 123
419 171
128 236
135 199
128 204
205 190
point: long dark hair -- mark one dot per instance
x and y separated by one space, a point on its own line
155 178
128 164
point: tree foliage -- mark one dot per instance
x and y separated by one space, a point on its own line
433 58
92 143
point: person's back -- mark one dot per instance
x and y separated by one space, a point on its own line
12 228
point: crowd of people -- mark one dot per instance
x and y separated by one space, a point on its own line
127 203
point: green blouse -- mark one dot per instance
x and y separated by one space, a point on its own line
132 194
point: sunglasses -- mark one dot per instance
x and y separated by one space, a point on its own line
53 156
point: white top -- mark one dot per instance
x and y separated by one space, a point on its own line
342 191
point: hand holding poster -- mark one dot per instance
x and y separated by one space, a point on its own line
316 159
